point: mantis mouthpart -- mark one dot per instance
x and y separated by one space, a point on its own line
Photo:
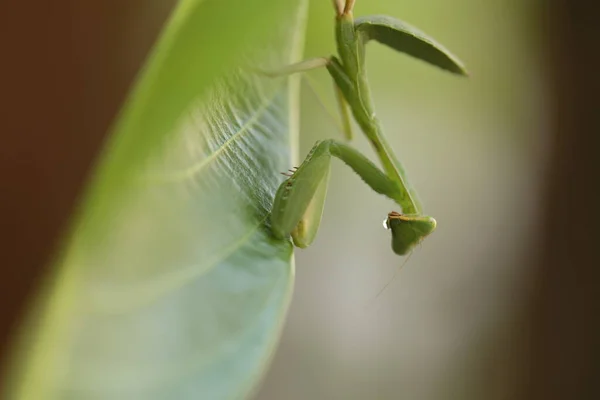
299 201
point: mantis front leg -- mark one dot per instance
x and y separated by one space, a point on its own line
299 201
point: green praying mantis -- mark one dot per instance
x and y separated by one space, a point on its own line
299 201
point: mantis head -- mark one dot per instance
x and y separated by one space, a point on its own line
407 230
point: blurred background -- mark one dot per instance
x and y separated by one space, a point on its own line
474 149
456 321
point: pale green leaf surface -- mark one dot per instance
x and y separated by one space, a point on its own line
170 285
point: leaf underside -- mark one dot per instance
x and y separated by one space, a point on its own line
172 287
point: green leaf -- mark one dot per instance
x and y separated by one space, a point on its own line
406 39
170 285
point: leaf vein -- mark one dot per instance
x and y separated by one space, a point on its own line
196 168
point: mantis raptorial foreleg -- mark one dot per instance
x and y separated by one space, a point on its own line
306 189
295 196
299 201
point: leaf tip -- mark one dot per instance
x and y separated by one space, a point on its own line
462 71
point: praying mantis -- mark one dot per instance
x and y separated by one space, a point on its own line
299 201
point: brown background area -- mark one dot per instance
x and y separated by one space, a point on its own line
64 74
564 319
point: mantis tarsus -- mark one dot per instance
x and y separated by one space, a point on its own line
299 201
